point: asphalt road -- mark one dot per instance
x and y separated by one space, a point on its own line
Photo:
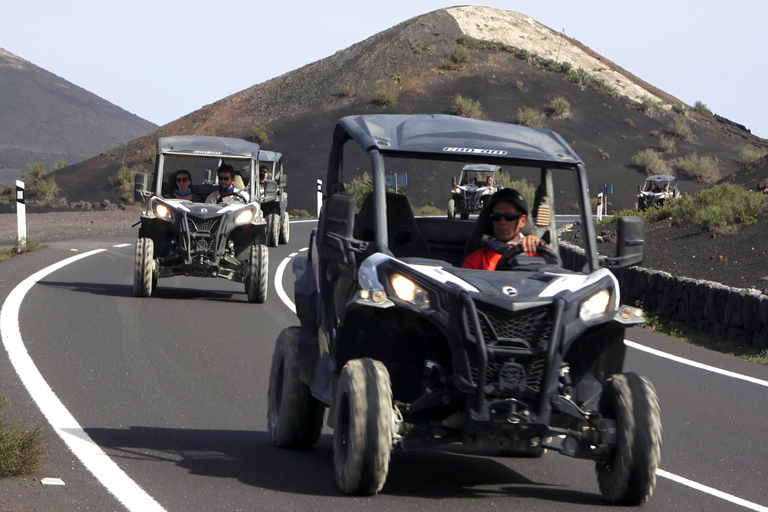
173 390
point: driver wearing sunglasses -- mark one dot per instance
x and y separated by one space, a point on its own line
226 174
183 183
509 212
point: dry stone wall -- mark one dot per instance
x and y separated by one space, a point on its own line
734 313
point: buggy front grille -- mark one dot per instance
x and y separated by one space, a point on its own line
203 226
504 328
532 367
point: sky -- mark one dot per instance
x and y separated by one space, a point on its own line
163 59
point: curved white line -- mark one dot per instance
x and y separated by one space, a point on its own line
701 366
90 454
709 490
279 283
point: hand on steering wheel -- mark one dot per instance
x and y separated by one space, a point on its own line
505 263
237 195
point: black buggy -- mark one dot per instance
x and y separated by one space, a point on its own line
410 351
185 237
656 191
474 187
274 199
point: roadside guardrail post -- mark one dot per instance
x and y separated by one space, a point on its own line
319 196
21 218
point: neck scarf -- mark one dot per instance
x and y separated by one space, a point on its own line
501 247
223 191
183 194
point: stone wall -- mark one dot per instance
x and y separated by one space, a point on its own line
737 314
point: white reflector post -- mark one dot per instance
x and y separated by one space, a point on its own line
319 196
21 217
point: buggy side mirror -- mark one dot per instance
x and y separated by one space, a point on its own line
338 222
140 188
270 187
283 180
453 181
631 237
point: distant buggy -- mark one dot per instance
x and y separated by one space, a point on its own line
274 198
656 191
475 186
184 237
408 350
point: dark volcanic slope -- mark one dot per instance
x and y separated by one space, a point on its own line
47 119
300 108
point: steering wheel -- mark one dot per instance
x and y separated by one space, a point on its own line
236 195
509 259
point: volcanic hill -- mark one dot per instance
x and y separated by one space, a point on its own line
502 59
47 119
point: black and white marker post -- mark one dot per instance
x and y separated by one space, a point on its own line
319 196
21 217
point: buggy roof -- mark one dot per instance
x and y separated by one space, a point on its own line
269 156
448 137
661 177
208 146
481 168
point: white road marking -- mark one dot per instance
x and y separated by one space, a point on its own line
701 366
132 496
709 490
122 245
278 280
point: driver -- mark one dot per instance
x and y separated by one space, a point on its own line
508 215
226 175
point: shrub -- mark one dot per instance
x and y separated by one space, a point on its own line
681 129
702 109
20 449
528 116
578 76
603 87
386 97
650 162
649 105
560 107
667 145
629 122
519 84
680 109
124 178
60 164
459 58
346 91
703 168
751 156
37 184
299 213
522 185
720 208
555 67
466 107
259 134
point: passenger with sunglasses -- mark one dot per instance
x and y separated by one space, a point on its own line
226 175
183 190
509 212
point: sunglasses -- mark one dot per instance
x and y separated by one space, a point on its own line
225 178
181 180
507 216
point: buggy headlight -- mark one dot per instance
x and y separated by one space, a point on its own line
595 306
244 217
163 211
410 292
456 190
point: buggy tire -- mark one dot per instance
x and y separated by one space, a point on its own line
144 280
628 475
362 435
257 280
294 416
273 229
464 215
285 229
451 209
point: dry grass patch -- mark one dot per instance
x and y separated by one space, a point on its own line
650 162
528 116
560 108
706 169
466 107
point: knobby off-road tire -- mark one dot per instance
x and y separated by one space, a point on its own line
285 229
144 280
257 281
451 209
628 476
273 229
362 436
294 416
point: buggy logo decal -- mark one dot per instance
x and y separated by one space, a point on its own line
509 290
203 210
475 151
203 152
